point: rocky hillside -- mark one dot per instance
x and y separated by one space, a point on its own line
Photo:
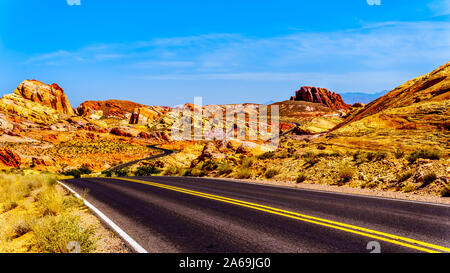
320 95
415 113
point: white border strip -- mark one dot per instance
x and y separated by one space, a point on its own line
136 247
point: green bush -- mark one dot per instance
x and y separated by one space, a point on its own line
271 173
107 173
301 178
146 171
424 153
76 173
122 172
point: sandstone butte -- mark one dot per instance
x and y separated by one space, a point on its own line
37 102
108 108
48 95
147 114
320 95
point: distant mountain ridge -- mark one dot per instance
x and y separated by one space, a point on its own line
354 97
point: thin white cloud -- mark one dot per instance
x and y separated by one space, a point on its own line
360 57
440 7
342 81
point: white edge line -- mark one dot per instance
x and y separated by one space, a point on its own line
136 247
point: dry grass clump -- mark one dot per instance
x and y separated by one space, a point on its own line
301 177
244 173
271 172
346 173
35 206
404 176
14 188
224 168
53 234
171 170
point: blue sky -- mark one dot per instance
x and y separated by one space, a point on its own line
167 52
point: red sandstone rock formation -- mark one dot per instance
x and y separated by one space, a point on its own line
320 95
146 115
48 95
9 159
114 108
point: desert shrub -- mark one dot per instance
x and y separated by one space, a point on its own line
267 155
399 153
197 172
122 172
404 176
283 155
186 172
209 165
311 158
321 147
244 173
146 171
53 234
224 168
76 173
301 177
9 205
360 157
376 156
424 153
271 173
346 173
429 178
171 170
18 225
409 187
247 162
445 191
22 225
107 173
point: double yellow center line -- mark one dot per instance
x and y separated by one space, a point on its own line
382 236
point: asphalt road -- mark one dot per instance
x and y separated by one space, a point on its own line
201 215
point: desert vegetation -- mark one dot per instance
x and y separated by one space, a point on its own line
39 215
